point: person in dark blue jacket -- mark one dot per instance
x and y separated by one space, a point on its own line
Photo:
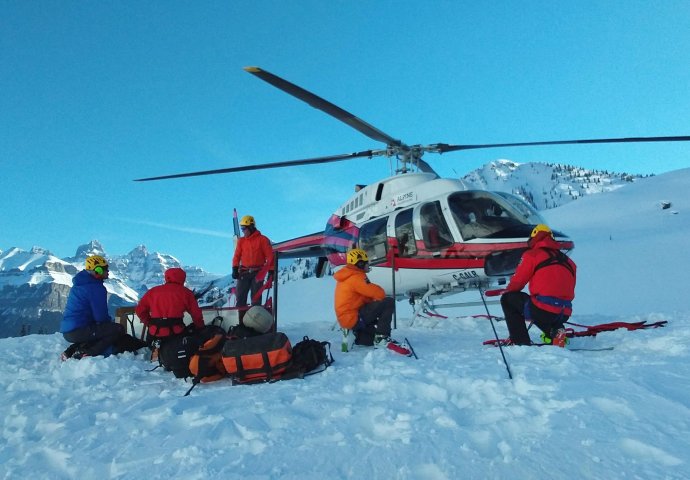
86 322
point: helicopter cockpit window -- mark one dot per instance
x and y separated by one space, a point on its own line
532 216
404 233
435 231
482 214
373 240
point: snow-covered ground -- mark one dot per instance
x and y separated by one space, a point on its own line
453 413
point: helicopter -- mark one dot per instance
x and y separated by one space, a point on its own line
424 235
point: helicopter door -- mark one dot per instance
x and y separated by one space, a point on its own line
434 231
373 240
404 234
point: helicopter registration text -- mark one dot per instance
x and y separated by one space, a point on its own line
468 275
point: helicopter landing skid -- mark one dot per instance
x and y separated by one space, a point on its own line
424 308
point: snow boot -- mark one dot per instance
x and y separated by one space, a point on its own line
560 339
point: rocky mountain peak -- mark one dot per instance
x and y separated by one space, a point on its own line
94 247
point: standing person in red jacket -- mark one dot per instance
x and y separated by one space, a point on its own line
162 308
551 277
253 254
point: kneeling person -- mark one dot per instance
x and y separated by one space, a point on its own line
86 323
162 308
362 306
551 278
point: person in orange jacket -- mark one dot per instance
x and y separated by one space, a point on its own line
253 254
551 276
362 306
162 308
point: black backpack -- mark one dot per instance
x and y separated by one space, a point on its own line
203 346
174 354
307 356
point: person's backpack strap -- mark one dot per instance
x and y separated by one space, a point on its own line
556 257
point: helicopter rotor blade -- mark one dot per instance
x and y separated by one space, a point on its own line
325 106
444 147
262 166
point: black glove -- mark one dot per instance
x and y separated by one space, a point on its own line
235 272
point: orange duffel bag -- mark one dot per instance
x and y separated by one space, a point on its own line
257 359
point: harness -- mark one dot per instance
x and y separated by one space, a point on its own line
556 257
166 322
255 269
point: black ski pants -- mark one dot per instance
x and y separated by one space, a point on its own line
246 282
99 336
374 319
514 305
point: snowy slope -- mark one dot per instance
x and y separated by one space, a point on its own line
454 413
545 185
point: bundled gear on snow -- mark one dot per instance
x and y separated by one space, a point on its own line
259 319
308 355
196 355
257 359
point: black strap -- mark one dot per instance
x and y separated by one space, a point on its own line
166 322
556 257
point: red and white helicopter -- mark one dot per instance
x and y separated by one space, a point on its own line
424 235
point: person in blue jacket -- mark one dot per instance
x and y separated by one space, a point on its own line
86 322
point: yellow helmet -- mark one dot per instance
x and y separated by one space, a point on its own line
247 221
95 261
98 265
540 228
357 255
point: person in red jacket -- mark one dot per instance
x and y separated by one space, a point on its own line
253 255
362 306
551 276
162 308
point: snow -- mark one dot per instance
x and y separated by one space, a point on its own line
454 413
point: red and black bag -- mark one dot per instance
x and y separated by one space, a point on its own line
257 359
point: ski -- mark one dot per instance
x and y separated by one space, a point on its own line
409 345
235 227
494 343
348 345
395 347
599 349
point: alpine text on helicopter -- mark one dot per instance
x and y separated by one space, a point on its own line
424 235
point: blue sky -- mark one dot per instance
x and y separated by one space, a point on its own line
95 94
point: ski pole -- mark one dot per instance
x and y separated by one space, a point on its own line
498 342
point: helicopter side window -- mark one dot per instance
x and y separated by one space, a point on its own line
373 240
435 232
404 233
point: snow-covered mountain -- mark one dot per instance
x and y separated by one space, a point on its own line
545 185
34 284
